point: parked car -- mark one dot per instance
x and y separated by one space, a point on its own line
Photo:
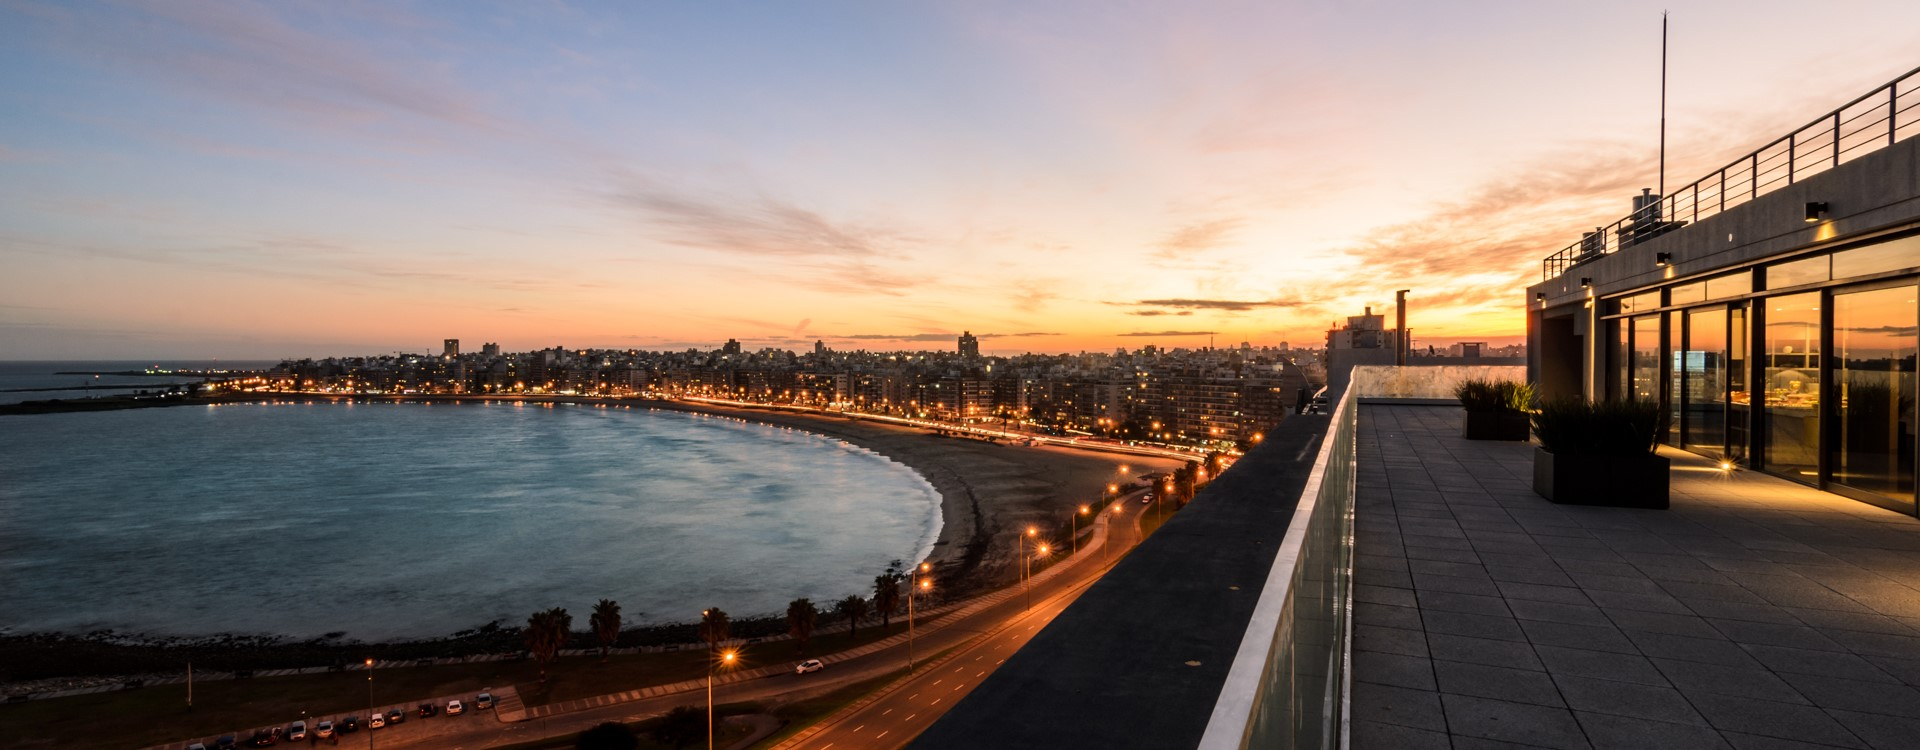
454 708
324 729
197 746
376 720
428 709
265 737
396 716
483 701
297 731
348 725
810 665
226 742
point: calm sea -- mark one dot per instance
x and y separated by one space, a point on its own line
39 381
412 520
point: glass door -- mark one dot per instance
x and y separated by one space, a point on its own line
1705 390
1871 447
1790 417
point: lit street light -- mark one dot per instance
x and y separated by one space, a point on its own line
369 704
914 583
1076 529
1026 582
726 658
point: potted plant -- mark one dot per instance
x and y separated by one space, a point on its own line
1496 410
1599 453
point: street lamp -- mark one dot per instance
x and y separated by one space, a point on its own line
1026 582
914 583
726 658
369 704
1076 529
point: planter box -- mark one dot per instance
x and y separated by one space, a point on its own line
1496 425
1618 481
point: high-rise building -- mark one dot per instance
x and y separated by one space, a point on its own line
450 348
490 350
819 349
731 349
969 346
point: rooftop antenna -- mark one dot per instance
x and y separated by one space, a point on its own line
1663 104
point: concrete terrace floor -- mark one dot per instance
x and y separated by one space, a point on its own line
1756 613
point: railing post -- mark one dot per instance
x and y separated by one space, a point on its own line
1754 183
1790 139
1696 203
1836 137
1893 110
1723 190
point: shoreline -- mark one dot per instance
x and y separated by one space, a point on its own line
987 491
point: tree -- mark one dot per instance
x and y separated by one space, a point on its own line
886 592
606 624
801 616
611 735
854 609
546 634
713 627
682 726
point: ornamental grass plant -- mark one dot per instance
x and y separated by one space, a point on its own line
1495 395
1576 427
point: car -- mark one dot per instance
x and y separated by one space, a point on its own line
297 731
396 716
348 725
376 720
483 701
226 742
197 746
428 709
454 708
810 665
265 737
324 729
1146 499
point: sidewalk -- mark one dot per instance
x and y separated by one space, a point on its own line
1756 612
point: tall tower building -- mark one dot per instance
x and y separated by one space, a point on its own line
490 350
732 348
969 346
819 349
450 348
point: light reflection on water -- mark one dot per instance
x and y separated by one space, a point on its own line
407 520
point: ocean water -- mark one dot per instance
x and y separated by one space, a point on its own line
413 520
42 380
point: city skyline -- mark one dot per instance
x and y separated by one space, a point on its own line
228 180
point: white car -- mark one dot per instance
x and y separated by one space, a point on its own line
454 708
297 731
324 729
376 721
810 665
483 701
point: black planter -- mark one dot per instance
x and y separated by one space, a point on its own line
1496 425
1638 481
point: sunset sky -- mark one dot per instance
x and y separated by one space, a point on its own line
188 179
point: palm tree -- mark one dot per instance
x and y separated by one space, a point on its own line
854 609
801 615
886 595
713 627
606 624
546 633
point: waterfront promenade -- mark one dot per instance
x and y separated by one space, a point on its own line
1754 613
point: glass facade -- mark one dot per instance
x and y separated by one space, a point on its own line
1819 383
1791 379
1874 339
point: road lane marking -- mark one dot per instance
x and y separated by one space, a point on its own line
909 718
935 702
883 734
888 711
858 728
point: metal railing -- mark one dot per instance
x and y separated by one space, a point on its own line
1288 684
1871 122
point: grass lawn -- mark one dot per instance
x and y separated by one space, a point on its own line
152 715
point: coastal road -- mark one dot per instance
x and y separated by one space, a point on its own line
984 639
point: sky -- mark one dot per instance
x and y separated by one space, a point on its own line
189 179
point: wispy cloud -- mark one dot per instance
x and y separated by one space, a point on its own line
757 225
933 336
1156 334
1157 313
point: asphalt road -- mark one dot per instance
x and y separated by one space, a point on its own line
987 637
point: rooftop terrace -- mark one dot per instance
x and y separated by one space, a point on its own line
1754 613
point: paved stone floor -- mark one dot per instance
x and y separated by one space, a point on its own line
1755 613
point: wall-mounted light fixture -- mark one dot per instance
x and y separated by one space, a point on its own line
1663 259
1816 211
1539 296
1586 281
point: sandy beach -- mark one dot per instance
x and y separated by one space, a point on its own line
989 491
